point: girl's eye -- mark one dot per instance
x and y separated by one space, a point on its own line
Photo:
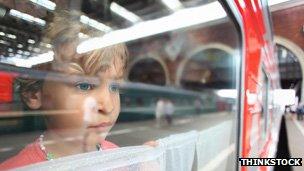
84 86
114 87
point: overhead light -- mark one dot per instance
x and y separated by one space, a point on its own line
27 17
180 19
19 46
274 2
45 3
2 12
93 23
27 53
47 45
2 33
173 5
4 42
11 36
83 36
29 62
31 41
19 51
10 50
36 50
227 93
121 11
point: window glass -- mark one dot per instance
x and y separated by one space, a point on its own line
290 69
265 107
121 85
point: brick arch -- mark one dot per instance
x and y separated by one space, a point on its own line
188 56
150 56
295 49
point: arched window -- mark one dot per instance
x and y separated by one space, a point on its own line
147 71
209 68
290 69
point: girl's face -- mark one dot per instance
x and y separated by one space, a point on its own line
82 104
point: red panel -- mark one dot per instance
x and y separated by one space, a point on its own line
254 40
6 87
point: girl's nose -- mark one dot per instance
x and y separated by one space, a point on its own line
105 101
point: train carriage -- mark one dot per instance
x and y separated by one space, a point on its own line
85 84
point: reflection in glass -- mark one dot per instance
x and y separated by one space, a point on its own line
155 79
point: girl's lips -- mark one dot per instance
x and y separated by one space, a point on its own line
101 125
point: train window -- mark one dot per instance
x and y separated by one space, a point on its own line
94 84
147 70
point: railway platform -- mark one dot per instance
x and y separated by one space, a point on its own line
295 134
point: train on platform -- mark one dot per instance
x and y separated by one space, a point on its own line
215 61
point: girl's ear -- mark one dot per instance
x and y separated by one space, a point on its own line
32 99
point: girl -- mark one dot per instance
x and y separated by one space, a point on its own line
84 105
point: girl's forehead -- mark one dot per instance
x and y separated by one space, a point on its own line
110 61
110 71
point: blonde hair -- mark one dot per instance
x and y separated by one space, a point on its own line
64 31
63 34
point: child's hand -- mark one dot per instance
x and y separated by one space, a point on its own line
151 143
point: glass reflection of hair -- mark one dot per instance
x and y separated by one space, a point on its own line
79 113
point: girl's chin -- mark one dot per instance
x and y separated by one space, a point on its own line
101 133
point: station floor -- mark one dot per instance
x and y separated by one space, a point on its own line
295 134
